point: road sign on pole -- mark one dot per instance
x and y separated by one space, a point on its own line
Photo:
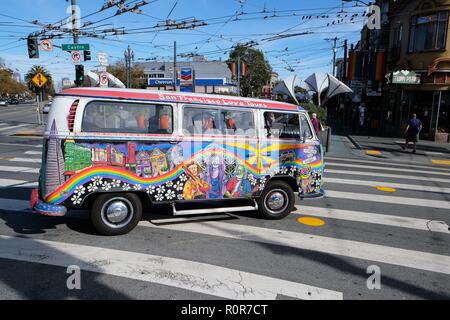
76 57
47 45
75 47
103 59
39 79
104 80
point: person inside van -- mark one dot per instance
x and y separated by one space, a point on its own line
269 119
230 122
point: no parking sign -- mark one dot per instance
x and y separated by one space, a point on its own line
76 57
104 80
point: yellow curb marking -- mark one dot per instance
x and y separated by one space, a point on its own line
386 189
6 158
373 152
447 162
313 222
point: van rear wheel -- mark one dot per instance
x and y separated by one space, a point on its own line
116 214
276 201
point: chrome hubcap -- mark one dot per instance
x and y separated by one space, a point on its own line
117 212
276 201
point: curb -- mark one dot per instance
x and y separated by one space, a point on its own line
355 143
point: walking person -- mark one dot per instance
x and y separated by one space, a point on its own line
315 123
412 132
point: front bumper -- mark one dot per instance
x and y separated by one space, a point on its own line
44 208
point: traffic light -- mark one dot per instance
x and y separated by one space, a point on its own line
87 55
79 74
33 48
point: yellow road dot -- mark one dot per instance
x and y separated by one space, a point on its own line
447 162
386 189
373 152
6 158
309 221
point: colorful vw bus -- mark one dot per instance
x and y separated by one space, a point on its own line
118 151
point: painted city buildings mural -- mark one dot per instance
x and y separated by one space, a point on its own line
187 170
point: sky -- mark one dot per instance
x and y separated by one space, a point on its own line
276 27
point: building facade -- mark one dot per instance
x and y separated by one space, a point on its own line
419 52
209 76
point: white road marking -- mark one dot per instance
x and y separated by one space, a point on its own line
21 145
382 164
434 153
190 275
440 204
375 218
13 127
19 169
33 152
387 184
31 160
10 182
386 175
335 164
348 248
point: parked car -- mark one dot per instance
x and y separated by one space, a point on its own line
46 109
13 101
3 103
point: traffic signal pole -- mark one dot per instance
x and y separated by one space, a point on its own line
74 30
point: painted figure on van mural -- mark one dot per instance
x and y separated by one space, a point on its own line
239 185
159 162
307 180
175 156
195 187
215 176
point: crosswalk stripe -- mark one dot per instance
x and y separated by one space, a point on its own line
434 153
366 217
190 275
10 182
335 164
19 169
382 164
33 152
385 175
31 160
387 184
388 199
21 145
303 241
13 127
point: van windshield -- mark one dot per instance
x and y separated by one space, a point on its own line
124 117
282 125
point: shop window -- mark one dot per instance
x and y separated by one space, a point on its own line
118 117
282 125
428 32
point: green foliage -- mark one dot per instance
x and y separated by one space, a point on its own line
8 85
48 86
258 70
312 108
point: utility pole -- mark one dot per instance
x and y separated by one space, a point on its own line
129 57
334 56
174 66
74 25
238 74
344 74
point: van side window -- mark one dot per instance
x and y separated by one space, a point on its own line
305 127
118 117
201 121
237 123
281 125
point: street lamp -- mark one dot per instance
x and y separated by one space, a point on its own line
366 4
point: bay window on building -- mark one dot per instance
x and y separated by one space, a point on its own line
428 32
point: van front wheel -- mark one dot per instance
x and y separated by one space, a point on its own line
116 214
276 201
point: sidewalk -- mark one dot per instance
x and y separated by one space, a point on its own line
391 148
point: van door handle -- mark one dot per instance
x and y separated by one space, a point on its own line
173 141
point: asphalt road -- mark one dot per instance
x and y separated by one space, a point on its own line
403 234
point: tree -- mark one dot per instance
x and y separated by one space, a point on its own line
9 86
119 70
258 70
47 88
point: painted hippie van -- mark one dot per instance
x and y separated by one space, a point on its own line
116 151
